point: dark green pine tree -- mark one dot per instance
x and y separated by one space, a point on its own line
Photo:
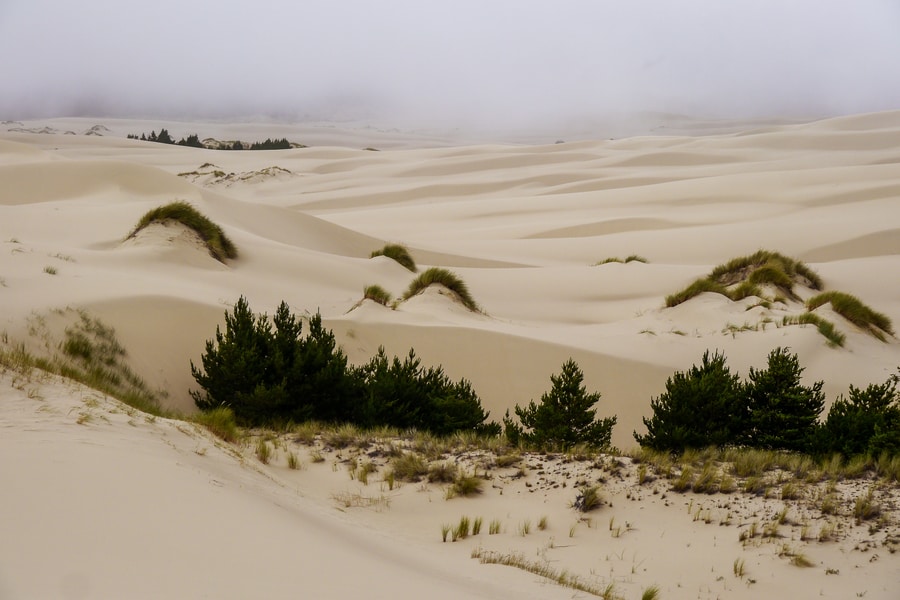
235 365
565 416
702 407
868 422
783 412
164 137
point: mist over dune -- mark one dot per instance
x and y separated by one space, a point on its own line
501 65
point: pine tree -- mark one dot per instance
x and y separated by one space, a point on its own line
564 417
702 407
868 422
783 412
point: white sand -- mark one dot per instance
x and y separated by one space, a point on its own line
108 509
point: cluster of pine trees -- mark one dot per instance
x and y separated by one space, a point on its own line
193 140
708 405
269 372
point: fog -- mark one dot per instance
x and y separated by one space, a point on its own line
509 63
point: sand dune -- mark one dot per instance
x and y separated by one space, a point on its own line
523 225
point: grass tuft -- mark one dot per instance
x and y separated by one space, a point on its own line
445 278
378 294
220 422
409 467
588 499
218 244
399 253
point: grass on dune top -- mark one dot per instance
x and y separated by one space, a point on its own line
218 244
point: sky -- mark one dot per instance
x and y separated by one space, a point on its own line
508 62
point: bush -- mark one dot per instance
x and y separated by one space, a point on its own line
783 412
702 407
868 422
218 244
399 253
445 278
564 417
220 422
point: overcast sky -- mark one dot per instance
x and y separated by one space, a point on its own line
509 61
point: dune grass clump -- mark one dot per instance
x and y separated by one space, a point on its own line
399 253
467 485
543 569
695 289
220 422
409 467
588 499
378 294
854 310
749 273
218 244
628 259
449 280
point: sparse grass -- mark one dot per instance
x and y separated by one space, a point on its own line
865 507
263 451
543 569
399 253
616 259
684 481
218 244
378 294
524 527
542 523
442 472
462 529
739 568
494 527
50 270
507 460
220 422
445 531
695 289
708 480
852 308
826 328
449 280
355 500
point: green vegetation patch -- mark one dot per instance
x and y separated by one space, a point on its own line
854 310
399 253
449 280
377 294
218 244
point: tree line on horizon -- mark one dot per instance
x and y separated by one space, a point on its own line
193 140
267 372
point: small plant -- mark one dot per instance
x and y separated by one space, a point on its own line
293 462
316 456
476 526
684 480
494 527
542 523
865 507
445 530
462 529
399 253
651 593
445 278
467 485
524 527
218 244
263 451
588 499
378 294
50 270
409 467
442 472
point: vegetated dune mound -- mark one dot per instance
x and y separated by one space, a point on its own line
211 175
174 242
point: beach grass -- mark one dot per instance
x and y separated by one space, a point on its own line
449 280
399 253
854 310
219 245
